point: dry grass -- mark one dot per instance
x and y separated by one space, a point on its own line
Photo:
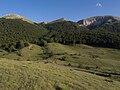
31 75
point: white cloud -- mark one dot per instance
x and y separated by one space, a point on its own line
99 5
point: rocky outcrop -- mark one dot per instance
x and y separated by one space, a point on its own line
98 20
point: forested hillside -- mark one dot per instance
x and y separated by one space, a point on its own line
68 32
16 33
113 27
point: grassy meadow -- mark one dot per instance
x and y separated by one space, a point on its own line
59 67
30 75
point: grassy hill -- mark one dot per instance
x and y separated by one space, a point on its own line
79 56
60 67
30 75
83 56
31 52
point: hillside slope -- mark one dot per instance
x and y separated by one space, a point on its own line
17 75
79 56
64 32
15 30
83 56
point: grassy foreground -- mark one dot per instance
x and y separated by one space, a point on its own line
59 67
31 75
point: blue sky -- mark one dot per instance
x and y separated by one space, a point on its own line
48 10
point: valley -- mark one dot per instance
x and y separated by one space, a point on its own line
60 55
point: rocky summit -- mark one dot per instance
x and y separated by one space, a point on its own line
98 20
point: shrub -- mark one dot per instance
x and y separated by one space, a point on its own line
42 42
20 45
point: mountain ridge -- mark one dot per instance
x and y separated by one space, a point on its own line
55 21
98 20
16 16
90 21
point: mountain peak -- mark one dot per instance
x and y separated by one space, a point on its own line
16 16
98 20
12 16
60 20
55 21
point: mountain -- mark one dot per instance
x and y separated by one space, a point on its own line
62 25
98 20
15 28
64 32
59 20
71 33
13 31
15 16
55 21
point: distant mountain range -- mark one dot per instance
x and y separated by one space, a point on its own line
92 21
103 31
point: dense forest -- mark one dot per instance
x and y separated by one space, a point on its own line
16 33
71 33
112 27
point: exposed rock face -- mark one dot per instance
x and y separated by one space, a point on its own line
98 20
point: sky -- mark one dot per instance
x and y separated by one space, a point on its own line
49 10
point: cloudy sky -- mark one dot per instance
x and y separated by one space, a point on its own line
48 10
